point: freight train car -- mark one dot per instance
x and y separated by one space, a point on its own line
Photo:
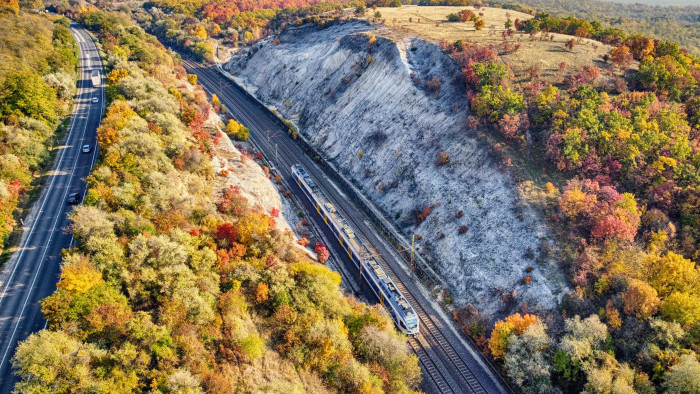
383 287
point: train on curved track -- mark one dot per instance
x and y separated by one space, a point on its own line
382 286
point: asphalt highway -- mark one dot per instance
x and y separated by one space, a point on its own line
32 271
450 364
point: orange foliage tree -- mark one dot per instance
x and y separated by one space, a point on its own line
515 324
262 291
117 117
641 299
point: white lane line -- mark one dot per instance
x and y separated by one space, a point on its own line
73 121
94 151
95 148
41 261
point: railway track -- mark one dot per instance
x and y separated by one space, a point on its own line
446 368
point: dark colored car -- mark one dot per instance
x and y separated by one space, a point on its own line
73 198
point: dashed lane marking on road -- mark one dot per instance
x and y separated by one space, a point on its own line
41 261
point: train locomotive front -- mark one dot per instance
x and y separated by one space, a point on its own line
382 286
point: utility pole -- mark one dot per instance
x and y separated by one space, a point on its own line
413 249
275 152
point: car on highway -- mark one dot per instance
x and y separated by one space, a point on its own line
73 198
95 100
86 149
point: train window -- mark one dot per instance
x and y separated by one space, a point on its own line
402 325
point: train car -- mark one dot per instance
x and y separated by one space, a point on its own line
382 286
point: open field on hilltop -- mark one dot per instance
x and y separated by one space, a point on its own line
547 50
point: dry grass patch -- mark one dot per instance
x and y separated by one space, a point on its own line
548 51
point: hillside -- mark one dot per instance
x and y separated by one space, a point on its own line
38 60
355 111
544 51
548 166
598 130
181 278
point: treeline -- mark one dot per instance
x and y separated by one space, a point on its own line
474 3
175 287
189 25
627 142
38 76
674 23
574 27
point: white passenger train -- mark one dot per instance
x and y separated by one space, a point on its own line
383 287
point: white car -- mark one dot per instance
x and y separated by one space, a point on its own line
86 149
95 100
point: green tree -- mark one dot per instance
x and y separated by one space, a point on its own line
527 359
684 377
681 307
666 74
204 50
52 361
28 93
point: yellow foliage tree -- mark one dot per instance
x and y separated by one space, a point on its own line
682 307
613 315
237 130
317 270
249 37
117 75
192 79
575 202
251 226
215 100
513 325
200 32
118 115
372 39
10 5
80 278
669 273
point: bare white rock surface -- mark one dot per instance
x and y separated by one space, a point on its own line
376 119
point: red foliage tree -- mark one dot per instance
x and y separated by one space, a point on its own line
227 232
321 252
611 227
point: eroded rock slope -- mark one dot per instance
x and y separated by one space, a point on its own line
378 112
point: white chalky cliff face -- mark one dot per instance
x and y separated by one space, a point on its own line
371 111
